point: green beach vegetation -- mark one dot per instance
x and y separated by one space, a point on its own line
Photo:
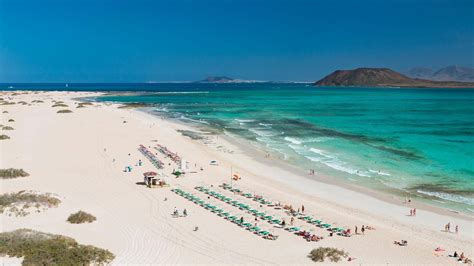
81 217
2 127
321 253
64 111
59 105
12 173
21 203
38 248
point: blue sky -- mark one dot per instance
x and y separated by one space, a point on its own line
140 41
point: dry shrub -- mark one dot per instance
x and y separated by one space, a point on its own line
59 105
64 111
334 254
12 173
18 203
3 137
38 248
81 217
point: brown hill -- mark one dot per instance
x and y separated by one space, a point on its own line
383 77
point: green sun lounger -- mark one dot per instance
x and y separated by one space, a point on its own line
248 225
294 229
275 221
254 229
263 233
268 217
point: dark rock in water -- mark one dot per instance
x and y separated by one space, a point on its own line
383 77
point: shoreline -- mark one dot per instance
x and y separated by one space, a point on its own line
251 150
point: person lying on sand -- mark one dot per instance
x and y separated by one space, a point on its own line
401 243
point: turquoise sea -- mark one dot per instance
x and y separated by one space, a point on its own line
411 142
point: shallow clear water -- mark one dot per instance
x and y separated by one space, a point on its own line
417 142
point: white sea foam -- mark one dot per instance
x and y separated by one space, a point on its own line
322 153
181 92
162 109
293 140
265 125
244 120
314 159
262 132
379 172
449 197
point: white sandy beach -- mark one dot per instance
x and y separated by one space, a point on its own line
81 157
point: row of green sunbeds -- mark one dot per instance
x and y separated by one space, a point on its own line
263 216
220 212
307 219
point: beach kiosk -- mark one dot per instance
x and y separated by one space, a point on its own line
151 180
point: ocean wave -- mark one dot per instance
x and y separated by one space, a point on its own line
293 140
379 172
265 125
177 92
161 109
300 141
449 197
244 120
322 153
262 132
314 159
342 166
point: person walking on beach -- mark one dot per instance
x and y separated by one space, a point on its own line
356 232
302 208
456 229
292 220
414 211
363 229
185 213
411 212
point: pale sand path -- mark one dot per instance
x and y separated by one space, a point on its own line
64 153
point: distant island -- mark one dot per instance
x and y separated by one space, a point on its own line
383 77
449 73
224 79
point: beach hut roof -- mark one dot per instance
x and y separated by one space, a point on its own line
150 174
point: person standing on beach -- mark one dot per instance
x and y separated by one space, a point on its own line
414 212
411 212
363 229
293 219
456 229
356 232
302 208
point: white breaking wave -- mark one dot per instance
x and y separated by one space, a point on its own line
244 120
181 92
322 153
379 172
293 140
449 197
342 166
262 133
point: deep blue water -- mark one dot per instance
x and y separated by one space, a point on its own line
416 142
